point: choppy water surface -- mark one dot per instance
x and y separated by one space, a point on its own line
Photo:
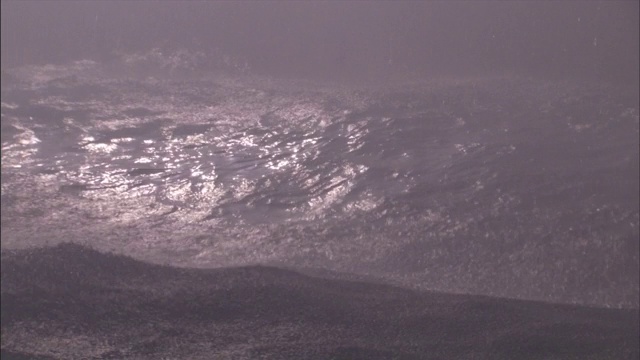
500 186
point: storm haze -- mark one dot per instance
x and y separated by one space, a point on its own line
320 179
341 40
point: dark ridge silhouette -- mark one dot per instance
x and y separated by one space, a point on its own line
72 302
13 355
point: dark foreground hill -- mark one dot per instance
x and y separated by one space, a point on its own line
70 302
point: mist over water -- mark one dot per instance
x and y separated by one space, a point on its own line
428 145
351 40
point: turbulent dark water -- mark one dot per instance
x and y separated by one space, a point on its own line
501 186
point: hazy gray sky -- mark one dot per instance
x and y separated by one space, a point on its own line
366 39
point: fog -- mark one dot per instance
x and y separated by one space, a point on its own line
314 180
373 41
